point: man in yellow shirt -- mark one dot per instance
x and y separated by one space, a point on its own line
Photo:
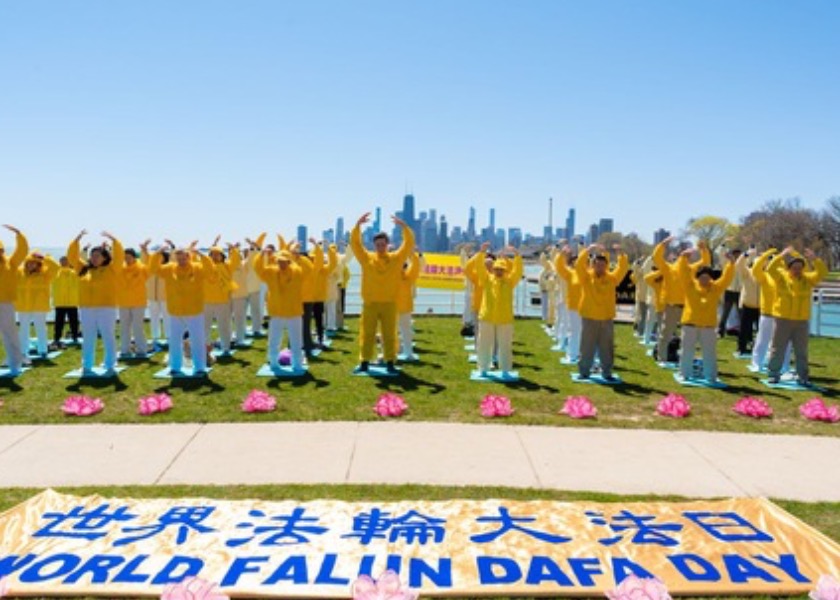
597 309
131 301
405 307
218 286
33 300
381 272
792 308
8 294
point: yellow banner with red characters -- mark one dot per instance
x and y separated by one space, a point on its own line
441 271
61 545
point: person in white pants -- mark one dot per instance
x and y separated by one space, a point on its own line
184 279
218 286
98 298
239 298
405 307
8 294
33 300
574 292
131 300
156 295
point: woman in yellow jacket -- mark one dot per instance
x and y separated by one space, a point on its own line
33 300
495 317
8 294
574 325
597 308
98 298
380 277
656 304
284 274
131 300
65 299
766 320
699 318
315 294
218 286
184 277
792 308
405 307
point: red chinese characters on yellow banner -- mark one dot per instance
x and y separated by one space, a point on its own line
57 544
441 271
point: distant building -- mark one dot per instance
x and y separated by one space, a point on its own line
339 230
443 235
471 225
329 236
302 238
660 234
515 236
593 235
605 226
570 224
493 219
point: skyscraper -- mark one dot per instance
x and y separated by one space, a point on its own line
471 225
443 235
493 219
408 211
570 224
339 230
660 234
302 237
605 226
377 221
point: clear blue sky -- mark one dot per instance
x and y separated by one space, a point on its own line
189 118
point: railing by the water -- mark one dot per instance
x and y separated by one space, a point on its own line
825 312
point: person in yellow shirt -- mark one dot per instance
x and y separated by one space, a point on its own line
673 292
495 317
33 300
331 305
65 298
574 324
655 303
284 274
131 300
381 271
185 278
98 298
315 295
702 295
597 308
766 321
8 294
405 307
792 308
218 286
480 261
156 296
344 282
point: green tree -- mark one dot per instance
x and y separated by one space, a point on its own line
715 230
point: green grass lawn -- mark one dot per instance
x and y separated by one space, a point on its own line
436 389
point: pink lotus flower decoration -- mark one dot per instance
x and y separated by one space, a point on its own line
753 407
496 406
387 587
674 405
816 409
4 587
149 405
579 407
828 588
192 588
390 405
259 401
82 406
639 588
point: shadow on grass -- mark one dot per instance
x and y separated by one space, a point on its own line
191 384
97 383
408 383
276 382
11 384
529 386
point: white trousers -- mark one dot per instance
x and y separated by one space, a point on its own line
561 321
332 315
575 328
11 339
158 319
221 312
100 321
131 326
707 336
37 320
240 308
198 349
406 334
652 321
255 308
294 328
490 336
761 346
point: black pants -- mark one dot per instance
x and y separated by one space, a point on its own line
749 320
730 300
312 310
62 314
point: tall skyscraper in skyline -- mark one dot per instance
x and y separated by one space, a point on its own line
443 235
302 237
408 211
377 220
660 234
493 219
570 224
339 229
605 226
471 224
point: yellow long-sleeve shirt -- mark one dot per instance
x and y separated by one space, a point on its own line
750 290
218 283
322 276
701 303
574 291
597 300
497 292
405 295
98 285
34 288
654 281
381 274
285 286
672 283
475 262
793 294
767 287
184 285
65 288
131 285
310 280
9 269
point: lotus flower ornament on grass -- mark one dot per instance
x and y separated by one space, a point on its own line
155 403
674 405
192 588
828 588
390 405
496 406
82 406
387 587
259 401
579 407
639 588
756 408
816 409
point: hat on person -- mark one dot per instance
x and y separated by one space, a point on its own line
284 256
131 252
500 263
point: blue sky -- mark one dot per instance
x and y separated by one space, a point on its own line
184 119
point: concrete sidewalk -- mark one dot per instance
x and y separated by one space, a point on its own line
695 464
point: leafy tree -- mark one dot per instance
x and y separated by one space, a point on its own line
715 230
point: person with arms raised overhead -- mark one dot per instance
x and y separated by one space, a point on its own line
33 300
8 294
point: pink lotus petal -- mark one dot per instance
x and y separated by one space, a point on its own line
259 401
674 405
387 587
4 587
390 405
753 407
638 588
82 406
496 406
816 409
579 407
192 588
828 588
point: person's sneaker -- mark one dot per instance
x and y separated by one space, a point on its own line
774 380
174 372
363 367
200 374
610 378
390 368
583 375
804 382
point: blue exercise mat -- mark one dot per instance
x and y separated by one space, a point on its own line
376 370
740 356
246 343
5 373
597 378
219 353
408 358
496 376
792 385
48 356
699 382
282 371
469 347
95 373
568 361
185 373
